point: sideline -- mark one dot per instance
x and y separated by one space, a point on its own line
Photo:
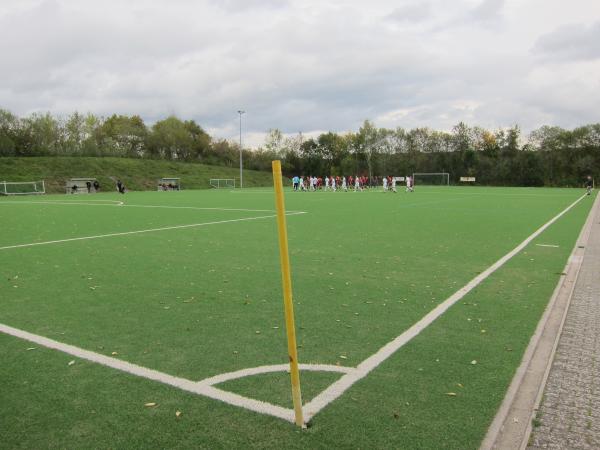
512 424
150 230
336 389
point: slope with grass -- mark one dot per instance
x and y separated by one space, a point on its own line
137 174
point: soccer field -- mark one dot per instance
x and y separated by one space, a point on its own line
162 297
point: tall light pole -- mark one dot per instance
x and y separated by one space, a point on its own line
240 112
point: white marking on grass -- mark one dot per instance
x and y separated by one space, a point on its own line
150 230
547 245
351 375
221 378
205 387
119 203
65 202
336 389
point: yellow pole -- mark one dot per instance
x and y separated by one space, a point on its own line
287 293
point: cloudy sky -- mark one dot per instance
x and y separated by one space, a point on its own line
305 65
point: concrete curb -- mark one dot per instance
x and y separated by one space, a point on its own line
512 424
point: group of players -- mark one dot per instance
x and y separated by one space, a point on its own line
359 183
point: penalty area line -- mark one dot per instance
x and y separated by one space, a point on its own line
150 230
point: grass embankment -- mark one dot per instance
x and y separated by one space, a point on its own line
137 174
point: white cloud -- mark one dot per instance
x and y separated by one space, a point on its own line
305 65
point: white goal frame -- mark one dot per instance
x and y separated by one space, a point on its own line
5 187
222 183
444 175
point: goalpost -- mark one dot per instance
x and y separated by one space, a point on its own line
22 187
431 178
222 183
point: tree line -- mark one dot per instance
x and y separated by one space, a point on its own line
548 156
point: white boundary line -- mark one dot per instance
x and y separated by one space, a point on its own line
205 387
150 230
334 391
119 203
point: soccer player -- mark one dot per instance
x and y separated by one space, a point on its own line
385 184
394 185
120 187
326 183
295 182
589 185
357 184
344 184
333 184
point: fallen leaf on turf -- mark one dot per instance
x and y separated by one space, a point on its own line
71 362
275 328
31 348
257 332
177 414
343 357
483 331
474 362
451 394
459 385
149 405
114 353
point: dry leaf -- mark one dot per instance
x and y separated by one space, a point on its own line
177 414
71 362
343 357
451 394
114 353
149 405
31 348
474 362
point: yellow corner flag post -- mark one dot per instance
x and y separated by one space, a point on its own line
287 293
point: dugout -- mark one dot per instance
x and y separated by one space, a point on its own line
81 186
169 184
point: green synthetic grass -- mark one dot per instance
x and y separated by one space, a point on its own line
137 174
189 302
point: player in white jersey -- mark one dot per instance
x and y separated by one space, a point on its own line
385 184
394 184
357 184
344 184
333 184
326 183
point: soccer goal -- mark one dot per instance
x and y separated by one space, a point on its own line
22 187
431 179
222 183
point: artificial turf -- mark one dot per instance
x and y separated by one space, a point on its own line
200 301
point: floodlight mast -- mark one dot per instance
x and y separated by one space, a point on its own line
240 112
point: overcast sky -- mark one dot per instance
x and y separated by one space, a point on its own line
307 65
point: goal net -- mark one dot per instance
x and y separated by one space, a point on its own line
22 187
431 179
222 183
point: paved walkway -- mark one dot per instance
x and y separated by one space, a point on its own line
569 415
